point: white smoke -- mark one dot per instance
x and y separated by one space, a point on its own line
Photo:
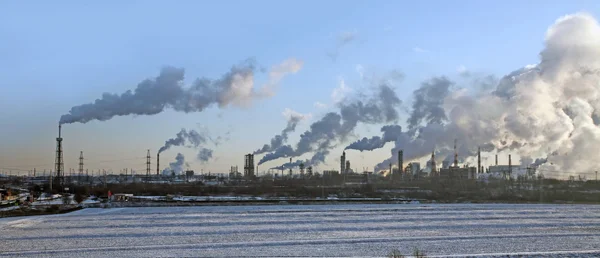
550 110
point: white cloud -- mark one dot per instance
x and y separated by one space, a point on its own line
340 92
320 105
289 114
420 50
277 72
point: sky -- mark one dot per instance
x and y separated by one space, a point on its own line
60 54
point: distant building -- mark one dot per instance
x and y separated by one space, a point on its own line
445 164
414 168
500 169
330 173
458 173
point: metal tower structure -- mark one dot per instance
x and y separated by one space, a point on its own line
479 170
80 166
60 166
148 165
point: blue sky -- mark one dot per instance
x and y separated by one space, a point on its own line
59 54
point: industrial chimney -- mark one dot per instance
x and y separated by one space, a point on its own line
479 160
400 161
509 165
158 164
343 163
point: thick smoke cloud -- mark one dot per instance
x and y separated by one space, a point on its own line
278 140
192 137
541 111
427 104
153 96
178 165
334 127
204 155
391 133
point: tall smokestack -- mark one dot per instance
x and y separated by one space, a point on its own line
455 155
496 159
433 166
509 165
479 160
343 162
400 161
158 164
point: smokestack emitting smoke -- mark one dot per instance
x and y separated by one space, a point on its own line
560 95
380 107
153 96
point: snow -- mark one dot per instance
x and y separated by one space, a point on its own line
309 230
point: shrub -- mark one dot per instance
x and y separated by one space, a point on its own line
78 197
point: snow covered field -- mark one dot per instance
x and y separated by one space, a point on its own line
319 230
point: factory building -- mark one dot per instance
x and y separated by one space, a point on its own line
413 168
249 166
458 173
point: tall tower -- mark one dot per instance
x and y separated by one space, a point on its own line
290 167
158 163
343 163
60 166
148 165
80 167
301 169
496 160
479 160
400 162
509 165
455 155
433 166
347 167
249 165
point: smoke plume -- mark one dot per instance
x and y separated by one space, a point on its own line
192 137
380 107
549 110
204 154
178 165
153 96
293 118
390 134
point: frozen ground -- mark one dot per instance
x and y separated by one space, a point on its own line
319 230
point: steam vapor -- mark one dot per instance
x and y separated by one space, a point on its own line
335 127
549 111
391 133
153 96
278 140
193 139
177 166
